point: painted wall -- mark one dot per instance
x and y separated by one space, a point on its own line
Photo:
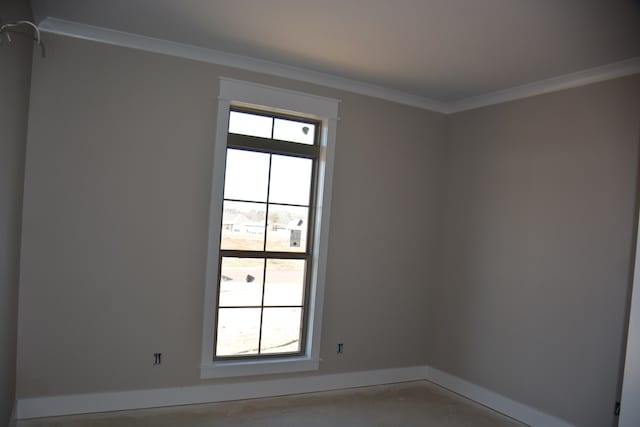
115 222
539 221
501 234
15 63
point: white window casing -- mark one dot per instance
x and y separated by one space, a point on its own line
246 94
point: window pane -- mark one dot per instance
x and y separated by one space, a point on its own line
281 330
287 228
250 124
241 282
289 130
290 180
238 331
243 226
284 282
246 176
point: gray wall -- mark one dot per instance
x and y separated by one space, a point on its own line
501 235
116 215
539 221
15 66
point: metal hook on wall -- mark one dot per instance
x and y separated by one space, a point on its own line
8 28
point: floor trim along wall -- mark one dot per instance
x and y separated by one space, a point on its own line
38 407
495 401
221 392
14 414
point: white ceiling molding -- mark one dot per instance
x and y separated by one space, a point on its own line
150 44
567 81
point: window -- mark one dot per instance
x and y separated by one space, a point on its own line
266 238
268 230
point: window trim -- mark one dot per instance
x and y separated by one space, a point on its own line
249 95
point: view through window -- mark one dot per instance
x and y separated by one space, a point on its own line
266 235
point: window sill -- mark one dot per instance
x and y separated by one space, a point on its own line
226 369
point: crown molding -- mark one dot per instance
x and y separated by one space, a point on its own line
567 81
212 56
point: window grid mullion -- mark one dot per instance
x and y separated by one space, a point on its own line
266 145
278 204
267 306
273 125
264 249
237 253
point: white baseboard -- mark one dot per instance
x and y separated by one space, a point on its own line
122 400
495 401
14 414
38 407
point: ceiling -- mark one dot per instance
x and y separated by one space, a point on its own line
443 50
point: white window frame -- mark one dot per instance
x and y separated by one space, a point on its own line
267 98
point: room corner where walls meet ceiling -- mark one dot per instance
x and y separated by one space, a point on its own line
445 56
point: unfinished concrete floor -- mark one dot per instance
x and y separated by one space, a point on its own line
412 404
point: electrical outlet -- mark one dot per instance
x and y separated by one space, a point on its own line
340 348
157 359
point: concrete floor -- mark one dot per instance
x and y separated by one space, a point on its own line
398 405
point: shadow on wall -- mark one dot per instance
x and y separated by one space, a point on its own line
15 60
